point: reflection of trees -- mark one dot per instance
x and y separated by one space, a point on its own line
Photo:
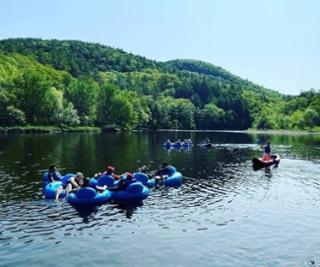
22 156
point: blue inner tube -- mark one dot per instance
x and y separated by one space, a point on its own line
46 180
168 145
134 192
88 196
107 180
173 180
141 177
64 179
51 189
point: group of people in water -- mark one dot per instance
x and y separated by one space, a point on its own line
186 142
78 181
178 143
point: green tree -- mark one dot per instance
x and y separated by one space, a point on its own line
114 107
83 94
297 120
9 115
211 117
32 97
67 115
311 117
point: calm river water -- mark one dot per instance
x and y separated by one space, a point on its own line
224 214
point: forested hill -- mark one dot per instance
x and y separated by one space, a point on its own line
54 82
77 57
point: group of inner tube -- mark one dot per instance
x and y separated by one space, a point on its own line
186 143
178 143
106 185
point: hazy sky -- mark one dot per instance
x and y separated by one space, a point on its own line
275 43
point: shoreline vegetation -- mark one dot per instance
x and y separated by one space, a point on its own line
112 129
48 129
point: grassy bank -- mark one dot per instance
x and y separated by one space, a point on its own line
48 129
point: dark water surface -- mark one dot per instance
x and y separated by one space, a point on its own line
224 214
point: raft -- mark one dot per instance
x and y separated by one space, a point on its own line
88 196
134 192
258 163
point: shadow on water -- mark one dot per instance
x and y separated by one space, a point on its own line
128 208
86 212
89 212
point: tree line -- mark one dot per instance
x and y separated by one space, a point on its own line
51 82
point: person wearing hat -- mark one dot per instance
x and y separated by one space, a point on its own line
109 171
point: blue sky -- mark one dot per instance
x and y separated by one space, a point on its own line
275 43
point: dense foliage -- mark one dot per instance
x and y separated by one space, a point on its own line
51 82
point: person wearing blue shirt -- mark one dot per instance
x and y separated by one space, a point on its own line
267 148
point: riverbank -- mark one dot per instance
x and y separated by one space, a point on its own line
251 131
49 129
79 129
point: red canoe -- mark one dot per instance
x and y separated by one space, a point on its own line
258 163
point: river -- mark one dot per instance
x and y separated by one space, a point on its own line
224 213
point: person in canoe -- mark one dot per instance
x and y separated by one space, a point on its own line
206 142
267 152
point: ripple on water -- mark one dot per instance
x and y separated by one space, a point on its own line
224 214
